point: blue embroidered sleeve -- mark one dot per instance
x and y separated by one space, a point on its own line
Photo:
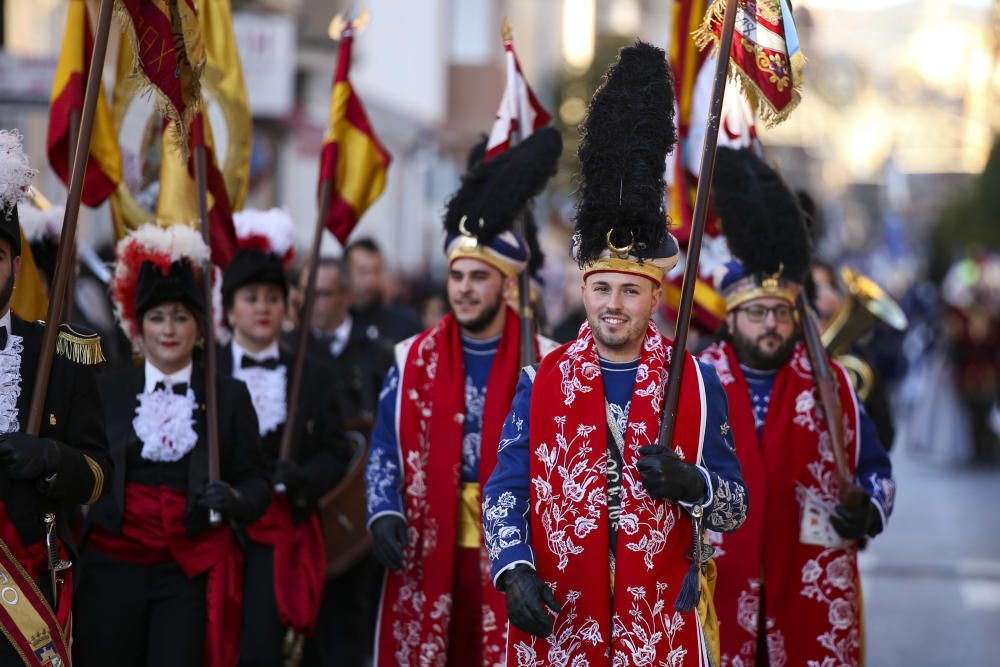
506 498
727 502
875 470
383 475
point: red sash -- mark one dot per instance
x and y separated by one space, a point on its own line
26 618
153 532
299 563
812 592
415 613
569 517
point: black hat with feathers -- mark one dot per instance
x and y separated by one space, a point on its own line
624 142
764 227
480 215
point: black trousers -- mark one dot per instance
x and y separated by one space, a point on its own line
131 615
345 631
263 635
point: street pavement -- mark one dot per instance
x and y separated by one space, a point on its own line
932 579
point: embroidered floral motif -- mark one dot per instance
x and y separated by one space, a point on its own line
10 384
649 625
565 641
729 505
497 533
716 356
164 422
379 475
838 591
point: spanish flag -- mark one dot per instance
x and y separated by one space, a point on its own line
353 159
104 168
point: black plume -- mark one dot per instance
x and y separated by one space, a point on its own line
761 217
497 190
537 257
477 153
624 142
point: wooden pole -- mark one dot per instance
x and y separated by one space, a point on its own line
211 399
305 323
524 308
69 310
65 261
305 316
669 420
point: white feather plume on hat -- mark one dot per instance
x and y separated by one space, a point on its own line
15 169
269 231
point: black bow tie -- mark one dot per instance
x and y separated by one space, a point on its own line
179 388
250 362
3 338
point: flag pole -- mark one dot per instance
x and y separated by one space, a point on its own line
524 308
305 316
211 397
70 306
64 258
668 422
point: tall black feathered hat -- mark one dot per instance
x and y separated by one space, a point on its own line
764 228
621 222
480 215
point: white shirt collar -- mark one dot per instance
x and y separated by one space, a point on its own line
5 322
154 375
269 352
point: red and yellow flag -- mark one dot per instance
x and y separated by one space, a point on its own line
353 158
104 167
178 200
170 68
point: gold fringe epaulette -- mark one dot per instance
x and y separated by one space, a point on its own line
80 348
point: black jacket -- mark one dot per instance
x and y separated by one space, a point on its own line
358 373
320 446
74 419
241 459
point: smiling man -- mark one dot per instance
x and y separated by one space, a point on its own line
797 600
438 424
586 517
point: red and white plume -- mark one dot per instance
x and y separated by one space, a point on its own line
520 113
161 245
268 231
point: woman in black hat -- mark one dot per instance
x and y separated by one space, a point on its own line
285 554
162 584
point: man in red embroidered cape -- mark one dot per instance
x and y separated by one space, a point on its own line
438 424
797 601
585 514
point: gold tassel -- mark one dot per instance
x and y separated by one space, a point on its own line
80 349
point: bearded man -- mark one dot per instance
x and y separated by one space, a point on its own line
788 591
438 425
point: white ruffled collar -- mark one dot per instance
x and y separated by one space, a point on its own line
164 422
267 391
10 379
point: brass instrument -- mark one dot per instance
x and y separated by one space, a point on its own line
864 305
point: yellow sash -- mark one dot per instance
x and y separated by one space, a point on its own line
37 638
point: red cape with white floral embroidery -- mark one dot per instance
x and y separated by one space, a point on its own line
637 624
812 591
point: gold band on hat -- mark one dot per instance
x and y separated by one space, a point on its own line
466 250
747 289
618 265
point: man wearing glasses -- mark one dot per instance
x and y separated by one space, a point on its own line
788 591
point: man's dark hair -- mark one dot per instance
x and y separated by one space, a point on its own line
366 244
343 275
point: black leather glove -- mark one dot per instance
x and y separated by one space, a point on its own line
667 477
853 524
389 540
28 457
290 474
223 498
527 599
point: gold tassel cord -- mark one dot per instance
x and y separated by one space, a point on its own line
80 349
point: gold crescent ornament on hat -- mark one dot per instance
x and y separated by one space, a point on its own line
624 250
